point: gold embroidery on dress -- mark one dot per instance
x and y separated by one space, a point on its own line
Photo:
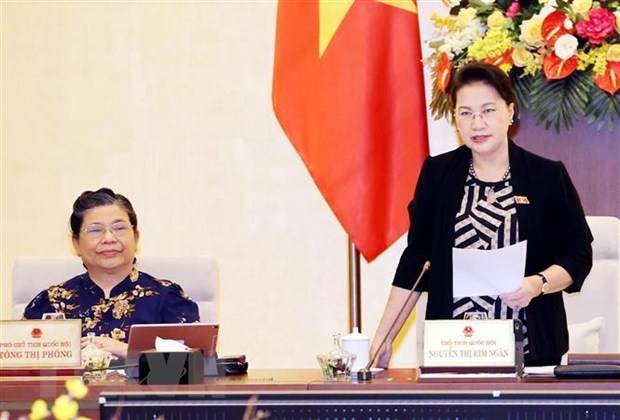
165 283
121 306
56 296
118 334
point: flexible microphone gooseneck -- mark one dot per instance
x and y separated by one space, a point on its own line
365 375
117 367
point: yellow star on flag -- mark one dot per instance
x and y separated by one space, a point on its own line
332 13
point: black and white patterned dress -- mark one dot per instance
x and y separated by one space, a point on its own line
487 219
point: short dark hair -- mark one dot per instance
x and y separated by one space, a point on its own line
102 197
485 73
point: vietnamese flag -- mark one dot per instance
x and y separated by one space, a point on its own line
348 91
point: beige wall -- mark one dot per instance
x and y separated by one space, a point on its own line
169 103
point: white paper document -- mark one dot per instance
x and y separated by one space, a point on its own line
492 272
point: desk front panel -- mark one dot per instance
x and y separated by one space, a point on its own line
17 394
363 405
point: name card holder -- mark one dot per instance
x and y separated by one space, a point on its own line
473 346
40 345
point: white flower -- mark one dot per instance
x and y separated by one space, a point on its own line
496 20
613 53
568 24
581 6
566 46
549 7
456 42
522 57
465 17
531 31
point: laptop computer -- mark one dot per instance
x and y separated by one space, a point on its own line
196 336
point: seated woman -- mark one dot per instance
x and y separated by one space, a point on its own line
112 295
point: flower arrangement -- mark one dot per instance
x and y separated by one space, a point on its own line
562 56
65 406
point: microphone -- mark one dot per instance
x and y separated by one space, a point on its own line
365 375
117 367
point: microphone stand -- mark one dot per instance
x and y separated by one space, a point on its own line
365 375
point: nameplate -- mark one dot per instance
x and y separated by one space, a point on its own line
469 343
40 343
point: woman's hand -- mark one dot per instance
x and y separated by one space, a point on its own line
557 277
117 348
520 298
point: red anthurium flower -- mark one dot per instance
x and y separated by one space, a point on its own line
553 27
444 67
505 58
556 68
610 80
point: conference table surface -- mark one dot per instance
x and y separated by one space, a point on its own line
18 392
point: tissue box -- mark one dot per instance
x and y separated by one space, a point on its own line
171 367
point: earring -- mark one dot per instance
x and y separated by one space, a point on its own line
134 274
511 121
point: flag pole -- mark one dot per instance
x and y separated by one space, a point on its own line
355 290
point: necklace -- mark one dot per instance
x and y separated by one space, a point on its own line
472 171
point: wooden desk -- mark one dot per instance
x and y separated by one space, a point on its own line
18 393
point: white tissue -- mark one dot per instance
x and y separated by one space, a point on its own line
162 344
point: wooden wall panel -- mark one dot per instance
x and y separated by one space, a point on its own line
592 158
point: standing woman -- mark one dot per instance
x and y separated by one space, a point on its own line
112 295
488 194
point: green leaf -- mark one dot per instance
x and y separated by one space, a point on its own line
603 109
559 102
523 87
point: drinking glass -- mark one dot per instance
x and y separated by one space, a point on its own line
475 315
94 360
53 315
336 363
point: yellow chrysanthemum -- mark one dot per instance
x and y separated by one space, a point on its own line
447 22
583 62
596 57
532 69
600 59
76 388
494 44
496 20
39 410
65 408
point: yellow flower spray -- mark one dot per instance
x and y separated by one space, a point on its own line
65 407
